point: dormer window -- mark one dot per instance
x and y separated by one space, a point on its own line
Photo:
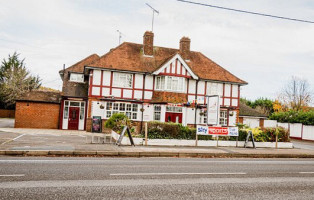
76 77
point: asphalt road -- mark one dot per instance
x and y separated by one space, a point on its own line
155 178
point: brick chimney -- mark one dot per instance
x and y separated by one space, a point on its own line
148 43
185 48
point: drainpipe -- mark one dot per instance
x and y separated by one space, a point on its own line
143 103
196 103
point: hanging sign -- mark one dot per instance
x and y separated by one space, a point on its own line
212 130
213 110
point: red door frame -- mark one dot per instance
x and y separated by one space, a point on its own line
74 116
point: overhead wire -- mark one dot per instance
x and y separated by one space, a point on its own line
247 12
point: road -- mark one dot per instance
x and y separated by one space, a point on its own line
155 178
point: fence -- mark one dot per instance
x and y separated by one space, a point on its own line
7 113
296 130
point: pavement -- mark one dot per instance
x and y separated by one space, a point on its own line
155 178
51 142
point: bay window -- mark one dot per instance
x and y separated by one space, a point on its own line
129 109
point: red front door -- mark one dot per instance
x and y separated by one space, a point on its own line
173 117
74 114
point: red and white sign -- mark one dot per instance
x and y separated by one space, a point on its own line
213 130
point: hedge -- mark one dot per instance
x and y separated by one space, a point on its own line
306 118
159 130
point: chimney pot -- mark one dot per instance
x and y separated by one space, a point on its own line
148 43
185 47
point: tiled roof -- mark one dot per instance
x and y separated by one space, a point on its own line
246 110
129 57
79 66
41 96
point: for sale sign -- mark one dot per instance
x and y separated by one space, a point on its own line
212 130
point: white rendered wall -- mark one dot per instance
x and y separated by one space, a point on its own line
251 122
138 81
308 133
296 130
96 77
149 82
270 123
106 78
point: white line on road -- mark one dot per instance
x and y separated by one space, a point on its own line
161 174
10 175
13 139
18 137
306 172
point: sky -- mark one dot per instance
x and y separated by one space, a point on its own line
265 52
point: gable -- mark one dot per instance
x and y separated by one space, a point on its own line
176 66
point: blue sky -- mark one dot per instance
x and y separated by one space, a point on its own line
263 51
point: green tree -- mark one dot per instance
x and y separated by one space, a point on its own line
263 105
15 80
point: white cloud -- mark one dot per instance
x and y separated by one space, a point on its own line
263 51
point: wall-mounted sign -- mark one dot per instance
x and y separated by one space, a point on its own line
213 110
212 130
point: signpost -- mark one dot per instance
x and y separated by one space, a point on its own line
213 128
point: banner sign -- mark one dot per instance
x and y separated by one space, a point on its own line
212 130
213 110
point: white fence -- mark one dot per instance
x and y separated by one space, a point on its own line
296 130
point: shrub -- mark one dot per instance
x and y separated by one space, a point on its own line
160 130
306 118
117 122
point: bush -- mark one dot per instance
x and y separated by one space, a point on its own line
160 130
117 122
306 118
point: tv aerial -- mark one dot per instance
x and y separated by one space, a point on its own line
154 11
120 36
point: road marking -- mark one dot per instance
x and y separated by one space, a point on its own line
161 174
306 172
12 139
11 175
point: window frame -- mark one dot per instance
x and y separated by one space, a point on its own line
76 80
121 80
170 83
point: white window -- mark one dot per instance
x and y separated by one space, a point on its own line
123 80
223 120
157 113
170 83
160 83
174 109
130 110
74 77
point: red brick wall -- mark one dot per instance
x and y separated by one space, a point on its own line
6 113
37 115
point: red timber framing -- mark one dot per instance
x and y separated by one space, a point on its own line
182 71
178 71
223 97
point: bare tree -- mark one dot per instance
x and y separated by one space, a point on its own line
296 94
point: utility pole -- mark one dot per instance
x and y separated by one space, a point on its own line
154 11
